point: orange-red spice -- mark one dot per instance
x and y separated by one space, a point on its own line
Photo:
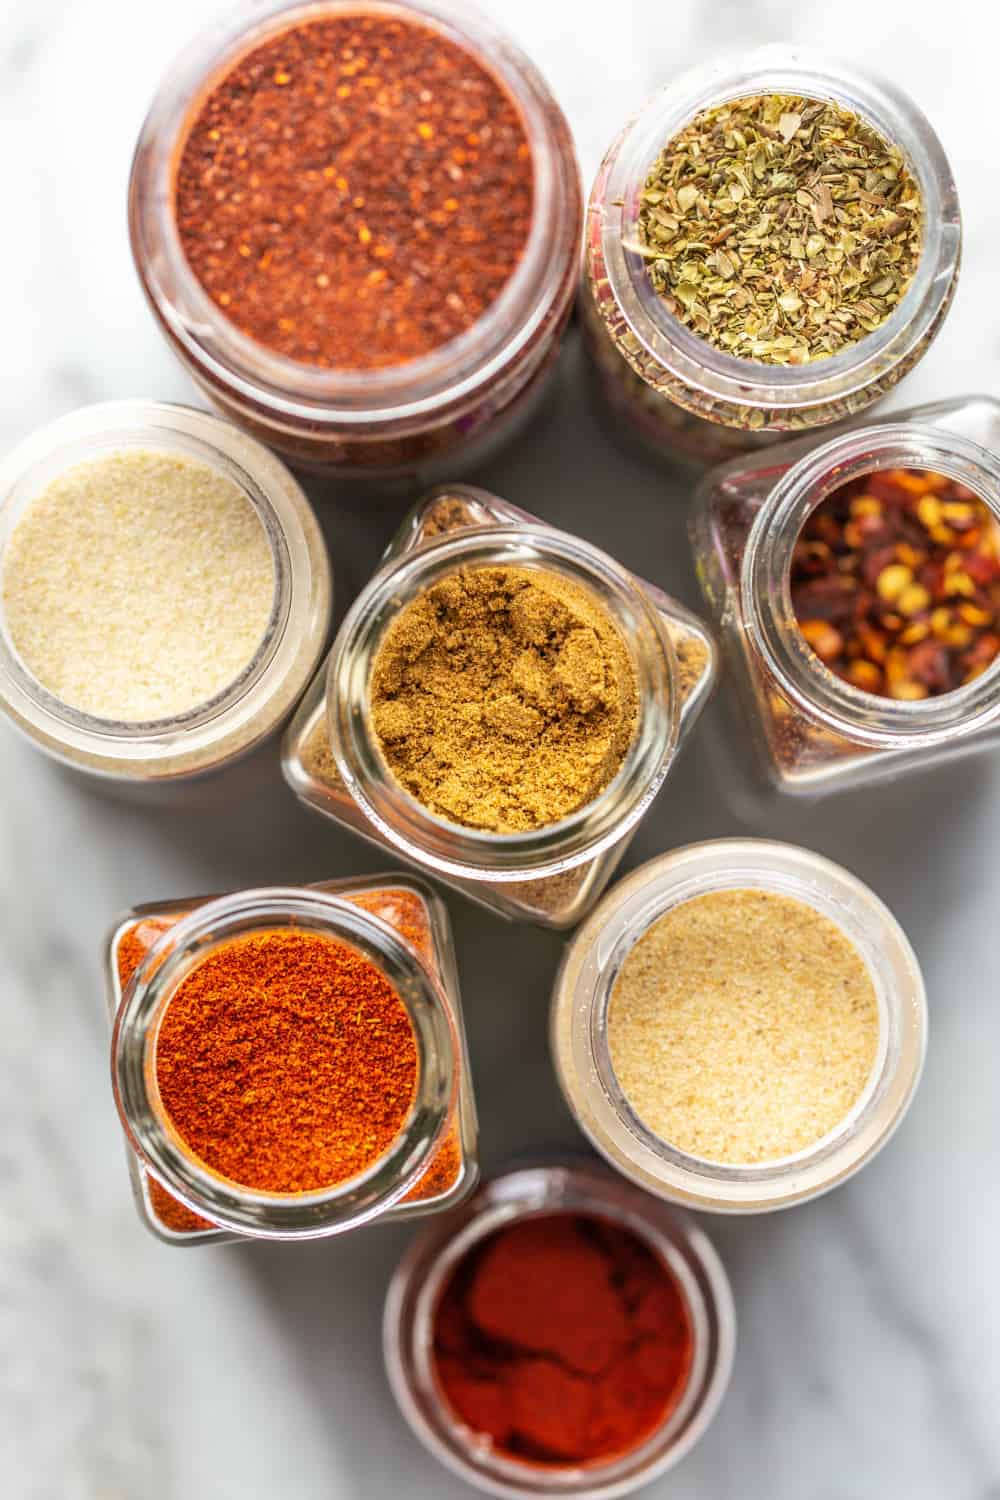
563 1339
355 192
286 1061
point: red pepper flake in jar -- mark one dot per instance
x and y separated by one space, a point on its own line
895 583
562 1339
355 192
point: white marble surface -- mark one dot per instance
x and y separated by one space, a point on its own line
869 1357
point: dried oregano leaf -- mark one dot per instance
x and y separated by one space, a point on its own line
781 229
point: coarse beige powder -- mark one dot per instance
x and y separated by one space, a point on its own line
138 585
743 1026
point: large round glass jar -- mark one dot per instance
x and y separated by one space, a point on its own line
250 708
812 731
682 395
549 875
399 926
404 420
586 1190
594 959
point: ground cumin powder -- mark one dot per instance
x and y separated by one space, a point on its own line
743 1026
504 698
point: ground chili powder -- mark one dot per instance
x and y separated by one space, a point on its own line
563 1339
286 1061
403 910
355 191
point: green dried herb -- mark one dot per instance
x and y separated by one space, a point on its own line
780 229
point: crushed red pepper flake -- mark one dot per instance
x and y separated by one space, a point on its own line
343 145
895 583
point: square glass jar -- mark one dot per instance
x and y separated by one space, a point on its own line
812 732
399 923
553 876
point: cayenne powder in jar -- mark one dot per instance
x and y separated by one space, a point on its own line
287 1063
361 233
559 1333
771 245
857 585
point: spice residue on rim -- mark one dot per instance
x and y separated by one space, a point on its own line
895 583
286 1061
138 585
503 698
355 192
743 1026
563 1340
781 229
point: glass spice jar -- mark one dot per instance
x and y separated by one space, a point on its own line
687 400
813 732
214 733
584 1188
403 422
593 961
553 874
399 925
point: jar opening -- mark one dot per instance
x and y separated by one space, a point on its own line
470 851
767 590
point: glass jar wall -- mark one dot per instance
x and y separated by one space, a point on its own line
404 420
550 875
672 388
394 922
812 732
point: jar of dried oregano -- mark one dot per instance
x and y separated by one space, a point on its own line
291 1062
857 587
501 705
771 245
739 1026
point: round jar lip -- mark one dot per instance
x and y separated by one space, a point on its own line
133 748
475 853
231 1205
570 1185
452 374
766 595
591 965
740 383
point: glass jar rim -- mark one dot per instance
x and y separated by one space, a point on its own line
451 374
591 965
766 596
743 383
112 426
531 1189
226 1203
475 853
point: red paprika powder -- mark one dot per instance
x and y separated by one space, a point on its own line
563 1339
355 191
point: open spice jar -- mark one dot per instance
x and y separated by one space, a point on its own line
561 1333
358 226
604 677
857 587
332 1082
771 245
164 587
739 1026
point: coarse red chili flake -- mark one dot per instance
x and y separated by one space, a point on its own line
895 583
355 192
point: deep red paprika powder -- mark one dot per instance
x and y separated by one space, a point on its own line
563 1339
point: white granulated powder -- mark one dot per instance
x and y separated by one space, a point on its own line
138 585
743 1026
